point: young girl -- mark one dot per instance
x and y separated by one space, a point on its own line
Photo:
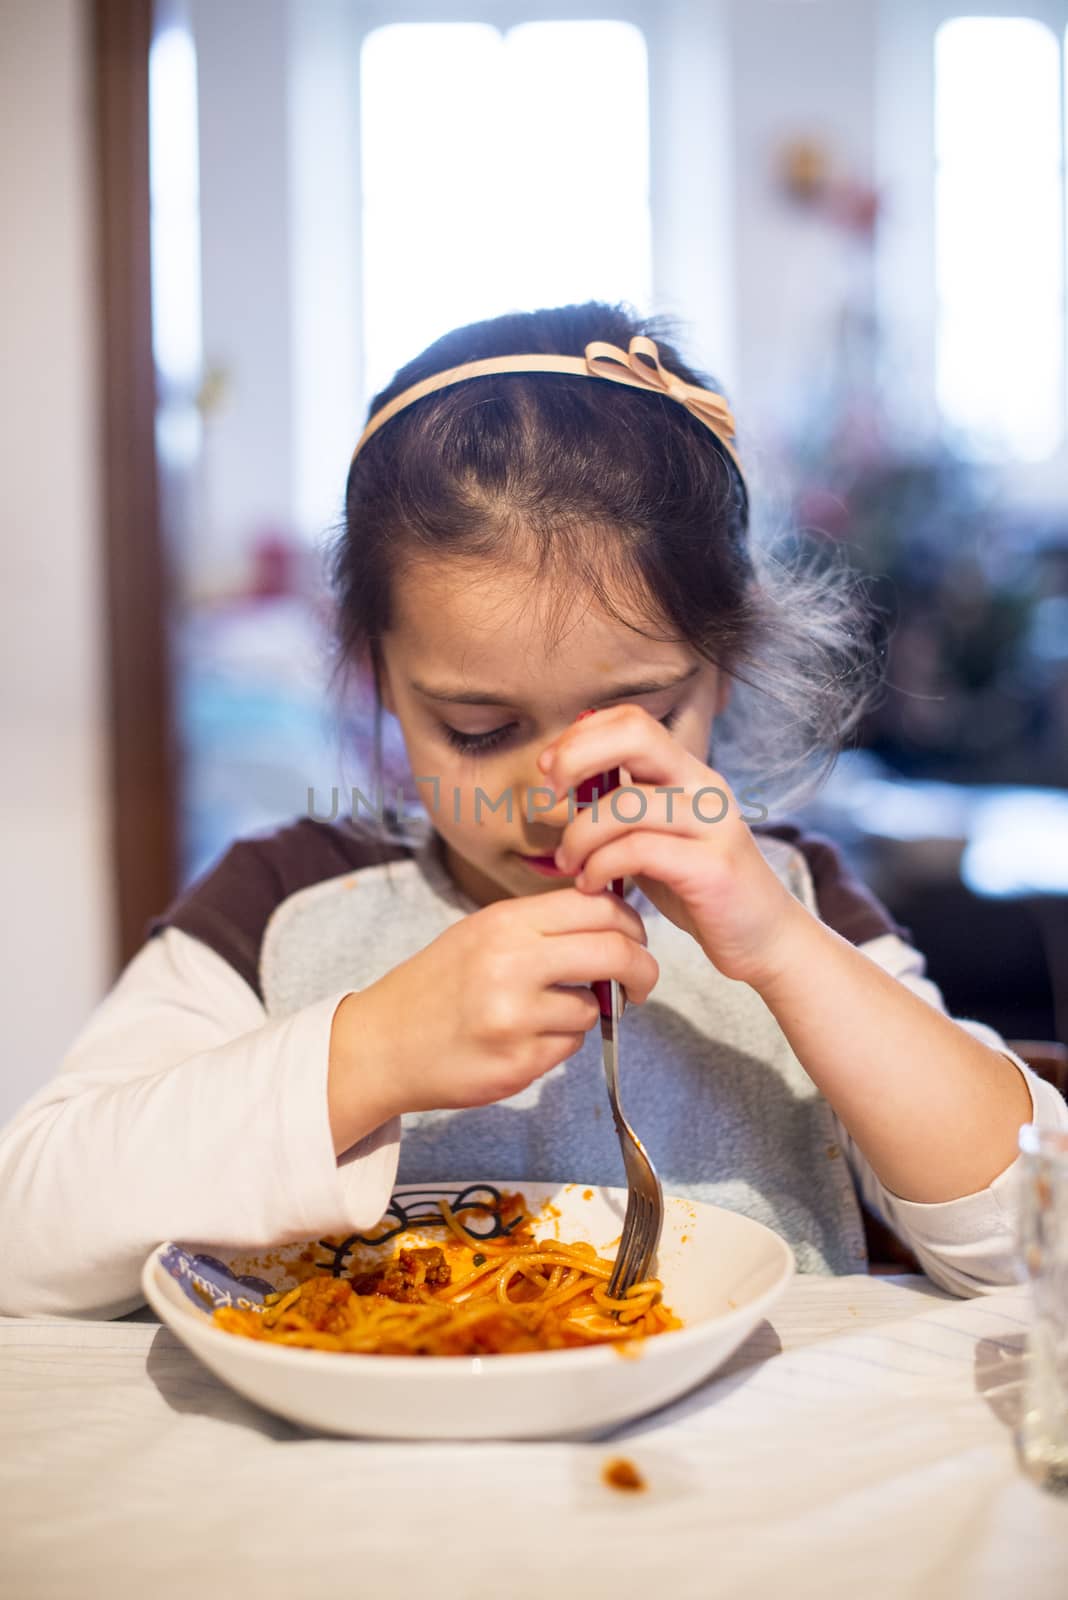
338 1006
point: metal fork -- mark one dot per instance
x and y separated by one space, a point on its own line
645 1198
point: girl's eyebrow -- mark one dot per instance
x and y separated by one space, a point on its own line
476 697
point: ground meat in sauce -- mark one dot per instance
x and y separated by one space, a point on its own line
408 1276
323 1301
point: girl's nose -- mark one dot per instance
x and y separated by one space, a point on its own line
544 804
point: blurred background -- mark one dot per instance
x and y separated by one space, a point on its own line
229 221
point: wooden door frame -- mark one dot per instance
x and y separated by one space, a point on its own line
138 593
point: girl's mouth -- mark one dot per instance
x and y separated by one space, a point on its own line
543 864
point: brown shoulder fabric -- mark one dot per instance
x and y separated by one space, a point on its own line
845 903
227 907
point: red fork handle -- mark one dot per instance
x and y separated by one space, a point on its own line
603 783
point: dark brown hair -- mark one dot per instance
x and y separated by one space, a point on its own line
630 497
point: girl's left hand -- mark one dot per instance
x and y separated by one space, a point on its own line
691 854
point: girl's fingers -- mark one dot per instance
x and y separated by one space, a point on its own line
557 1047
682 865
567 1009
621 736
570 911
583 958
692 814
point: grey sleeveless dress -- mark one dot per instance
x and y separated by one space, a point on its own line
724 1107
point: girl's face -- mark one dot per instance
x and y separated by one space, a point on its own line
479 691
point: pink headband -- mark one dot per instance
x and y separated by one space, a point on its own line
639 366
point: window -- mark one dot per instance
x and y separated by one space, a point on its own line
475 200
174 187
999 235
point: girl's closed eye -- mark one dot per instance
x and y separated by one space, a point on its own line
471 743
477 743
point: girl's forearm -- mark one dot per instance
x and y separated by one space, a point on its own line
358 1088
935 1111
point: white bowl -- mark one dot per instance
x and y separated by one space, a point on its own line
721 1273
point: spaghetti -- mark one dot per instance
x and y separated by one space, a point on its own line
467 1296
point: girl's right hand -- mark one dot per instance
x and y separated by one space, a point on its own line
482 1011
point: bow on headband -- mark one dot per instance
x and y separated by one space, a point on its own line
640 365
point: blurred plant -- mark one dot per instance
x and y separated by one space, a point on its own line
961 608
969 608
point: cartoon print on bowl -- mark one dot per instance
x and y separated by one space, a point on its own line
413 1207
208 1282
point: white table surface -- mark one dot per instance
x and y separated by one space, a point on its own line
859 1443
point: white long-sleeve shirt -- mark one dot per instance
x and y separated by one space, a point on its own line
180 1074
